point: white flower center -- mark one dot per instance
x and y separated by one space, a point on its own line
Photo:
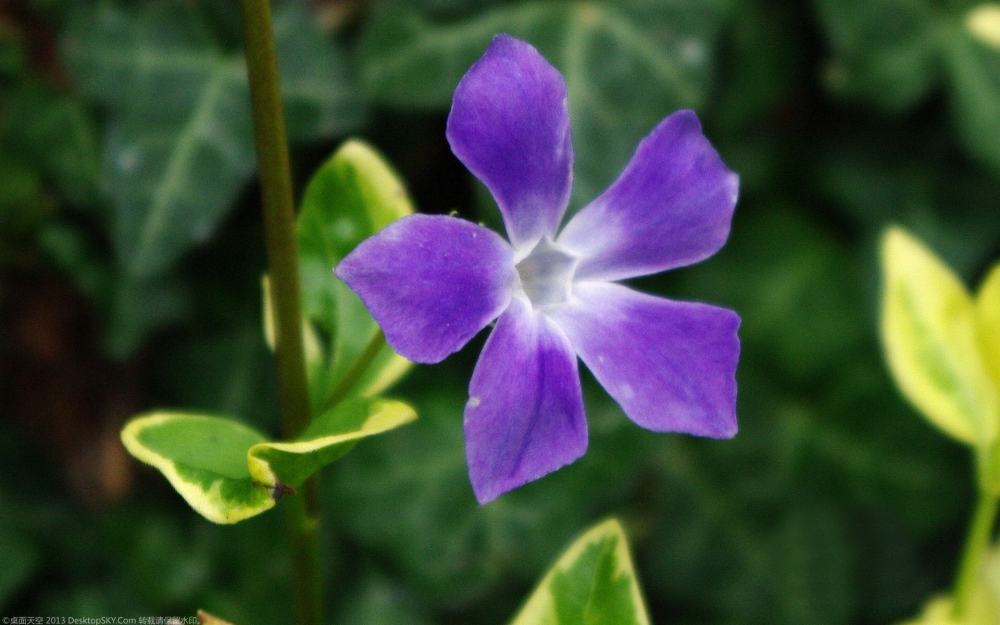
546 274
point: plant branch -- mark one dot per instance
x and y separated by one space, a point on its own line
279 213
340 391
970 567
283 268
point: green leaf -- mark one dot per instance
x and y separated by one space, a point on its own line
984 601
892 53
929 330
328 438
221 371
884 51
23 205
626 64
592 582
131 308
138 307
879 172
762 62
179 149
205 460
12 49
229 472
812 567
983 22
988 312
20 560
204 618
797 300
975 91
407 496
57 134
376 599
351 197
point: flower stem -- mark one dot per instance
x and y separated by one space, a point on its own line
976 544
283 268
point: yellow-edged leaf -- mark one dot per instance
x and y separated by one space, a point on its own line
929 330
983 606
205 459
204 618
983 22
229 472
329 436
592 582
988 311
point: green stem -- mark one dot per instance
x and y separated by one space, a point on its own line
279 214
358 369
283 268
304 541
978 541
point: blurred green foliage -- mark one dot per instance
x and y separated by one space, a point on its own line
126 169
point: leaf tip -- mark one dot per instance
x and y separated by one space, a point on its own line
983 23
204 618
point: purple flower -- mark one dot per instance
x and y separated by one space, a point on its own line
432 282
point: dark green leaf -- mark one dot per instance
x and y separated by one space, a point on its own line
797 299
179 148
19 560
227 371
55 132
975 86
378 600
627 65
885 52
408 495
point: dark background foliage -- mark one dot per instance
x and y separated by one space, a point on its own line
131 254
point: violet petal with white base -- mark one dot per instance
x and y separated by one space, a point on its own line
524 418
509 124
670 365
431 282
670 207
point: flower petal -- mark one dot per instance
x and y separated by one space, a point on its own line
509 124
670 365
671 207
431 282
525 414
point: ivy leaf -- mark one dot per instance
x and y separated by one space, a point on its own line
20 559
592 582
975 88
57 134
377 599
229 472
885 51
178 148
929 330
893 53
626 64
